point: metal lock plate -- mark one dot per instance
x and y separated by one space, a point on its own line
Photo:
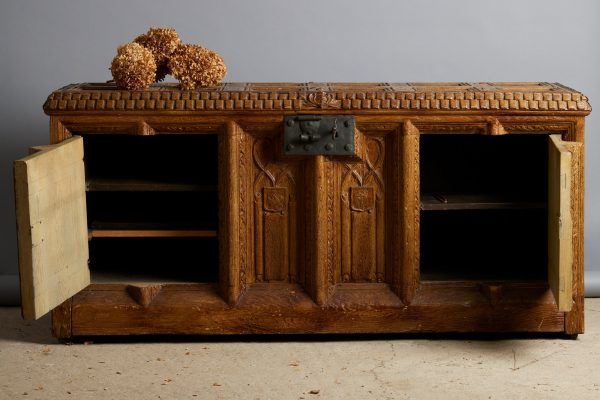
319 135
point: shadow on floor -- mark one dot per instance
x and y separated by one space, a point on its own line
317 338
14 328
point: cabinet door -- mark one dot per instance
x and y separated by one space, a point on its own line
561 166
51 226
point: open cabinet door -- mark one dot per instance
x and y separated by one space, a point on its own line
51 226
560 221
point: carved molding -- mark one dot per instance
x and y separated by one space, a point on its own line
320 100
576 171
331 248
532 97
243 234
493 126
183 128
471 127
564 127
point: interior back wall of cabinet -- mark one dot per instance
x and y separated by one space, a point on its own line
47 44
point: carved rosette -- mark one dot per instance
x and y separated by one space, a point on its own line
320 100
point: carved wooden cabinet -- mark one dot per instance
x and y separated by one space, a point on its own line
409 207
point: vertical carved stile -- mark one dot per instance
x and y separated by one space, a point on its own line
574 319
293 250
232 218
58 132
394 226
331 232
380 239
345 217
409 208
259 263
318 276
245 222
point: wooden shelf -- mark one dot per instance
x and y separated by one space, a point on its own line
144 185
452 274
103 225
442 202
114 233
128 278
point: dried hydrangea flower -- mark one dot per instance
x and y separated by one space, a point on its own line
134 67
195 66
162 42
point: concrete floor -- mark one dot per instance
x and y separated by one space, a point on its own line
34 366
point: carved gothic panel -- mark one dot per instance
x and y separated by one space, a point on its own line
362 218
276 206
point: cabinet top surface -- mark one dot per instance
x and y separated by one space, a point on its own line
269 96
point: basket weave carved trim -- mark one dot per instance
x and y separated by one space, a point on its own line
461 96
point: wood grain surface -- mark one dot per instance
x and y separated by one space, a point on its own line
328 244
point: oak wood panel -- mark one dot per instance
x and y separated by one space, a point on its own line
231 156
574 319
394 227
278 210
410 202
202 311
256 112
348 296
319 272
362 212
276 252
51 226
560 221
61 320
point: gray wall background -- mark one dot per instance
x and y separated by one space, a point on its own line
46 44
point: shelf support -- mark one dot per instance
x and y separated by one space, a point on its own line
143 294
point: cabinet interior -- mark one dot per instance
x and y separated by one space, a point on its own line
152 206
153 260
484 207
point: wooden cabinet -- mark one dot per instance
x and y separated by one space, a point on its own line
458 208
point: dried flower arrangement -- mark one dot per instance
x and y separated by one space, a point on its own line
195 65
133 67
162 42
158 53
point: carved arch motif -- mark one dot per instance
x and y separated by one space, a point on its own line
362 194
275 206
